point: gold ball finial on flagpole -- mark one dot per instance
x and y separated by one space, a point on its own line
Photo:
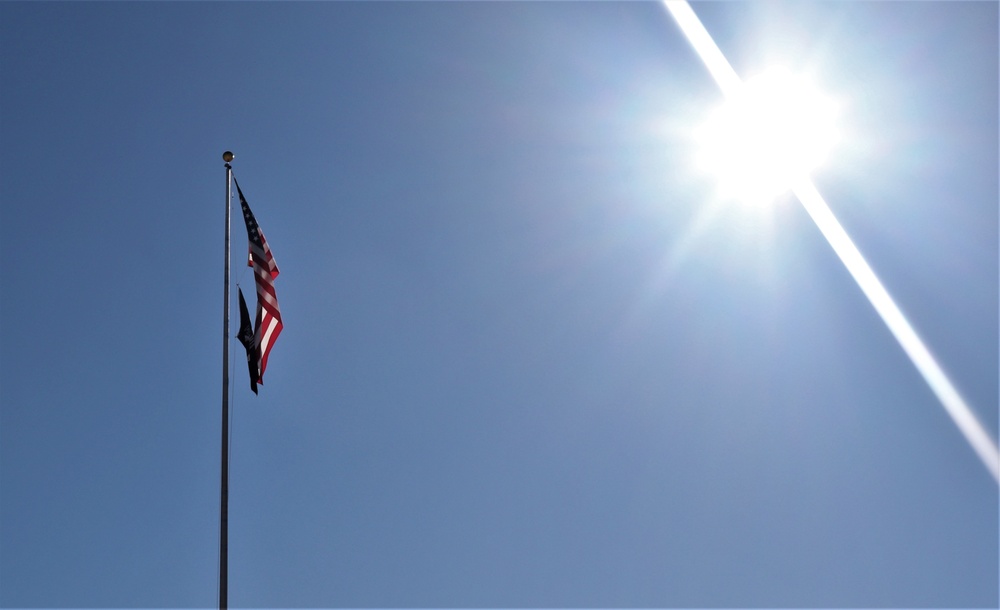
227 156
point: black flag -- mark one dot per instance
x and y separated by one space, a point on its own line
246 337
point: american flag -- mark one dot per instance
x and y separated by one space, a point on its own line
268 324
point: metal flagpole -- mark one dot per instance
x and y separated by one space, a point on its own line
224 504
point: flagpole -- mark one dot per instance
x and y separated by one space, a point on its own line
224 503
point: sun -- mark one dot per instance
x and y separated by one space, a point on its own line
773 130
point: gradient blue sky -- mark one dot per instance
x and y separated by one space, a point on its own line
529 358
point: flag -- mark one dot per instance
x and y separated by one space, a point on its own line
246 337
268 323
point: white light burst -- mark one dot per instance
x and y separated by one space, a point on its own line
770 132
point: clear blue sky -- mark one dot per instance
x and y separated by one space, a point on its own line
529 360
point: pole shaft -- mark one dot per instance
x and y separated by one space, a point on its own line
224 503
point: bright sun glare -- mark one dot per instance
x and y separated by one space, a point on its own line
772 131
765 140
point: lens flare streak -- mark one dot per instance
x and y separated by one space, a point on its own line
953 403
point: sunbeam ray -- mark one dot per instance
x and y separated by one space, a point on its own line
953 403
